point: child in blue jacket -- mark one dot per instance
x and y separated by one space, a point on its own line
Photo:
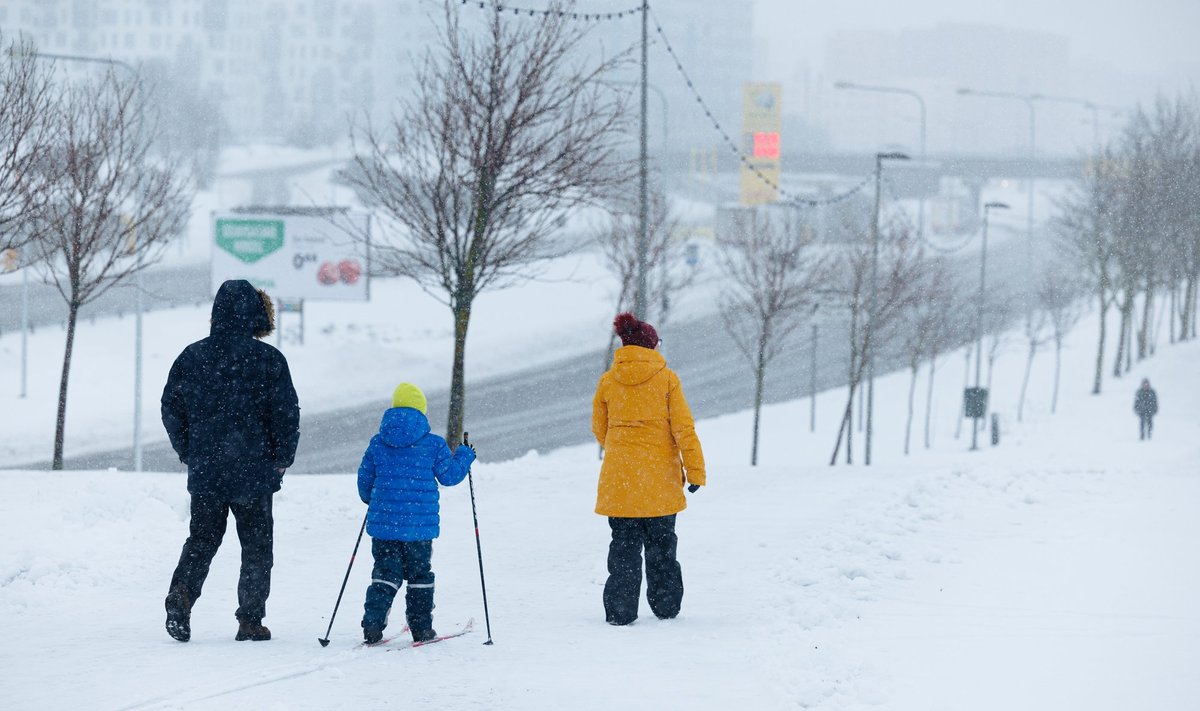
398 480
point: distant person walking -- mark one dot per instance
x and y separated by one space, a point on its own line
231 412
1145 404
642 420
398 480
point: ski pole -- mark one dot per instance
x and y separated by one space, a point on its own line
325 640
478 549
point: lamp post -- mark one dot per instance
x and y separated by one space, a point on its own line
869 349
138 298
1029 102
979 313
920 102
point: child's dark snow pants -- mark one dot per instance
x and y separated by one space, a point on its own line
398 562
664 578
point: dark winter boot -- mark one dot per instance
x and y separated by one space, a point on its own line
372 635
179 613
252 630
423 635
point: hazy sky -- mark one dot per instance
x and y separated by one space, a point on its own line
1138 36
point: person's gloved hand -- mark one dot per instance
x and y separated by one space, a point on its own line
693 488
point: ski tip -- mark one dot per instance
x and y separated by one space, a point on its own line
324 642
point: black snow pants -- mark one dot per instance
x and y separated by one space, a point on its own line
664 578
1147 426
398 563
255 525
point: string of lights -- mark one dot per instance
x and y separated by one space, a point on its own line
532 12
785 197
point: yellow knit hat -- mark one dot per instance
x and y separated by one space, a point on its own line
409 395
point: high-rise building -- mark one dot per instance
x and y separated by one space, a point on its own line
278 69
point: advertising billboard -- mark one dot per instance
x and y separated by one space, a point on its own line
762 118
315 253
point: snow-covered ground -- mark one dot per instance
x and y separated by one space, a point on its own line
1056 571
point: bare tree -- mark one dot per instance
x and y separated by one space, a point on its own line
1060 298
113 206
28 104
668 274
1037 334
772 274
1087 226
930 326
900 258
510 128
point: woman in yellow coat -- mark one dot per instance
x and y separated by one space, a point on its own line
643 422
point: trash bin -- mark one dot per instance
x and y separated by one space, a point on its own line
975 402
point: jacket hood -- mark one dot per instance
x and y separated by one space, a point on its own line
634 365
238 309
402 426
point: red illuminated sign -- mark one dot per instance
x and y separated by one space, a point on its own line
766 144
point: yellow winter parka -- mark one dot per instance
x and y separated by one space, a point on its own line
640 417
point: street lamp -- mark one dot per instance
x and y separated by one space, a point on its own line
920 102
979 313
1029 101
140 307
869 350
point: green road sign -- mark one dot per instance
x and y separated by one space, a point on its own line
250 240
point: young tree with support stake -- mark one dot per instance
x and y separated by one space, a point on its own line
772 276
665 258
511 128
900 259
112 206
1060 298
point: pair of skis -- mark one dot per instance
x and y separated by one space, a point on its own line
440 638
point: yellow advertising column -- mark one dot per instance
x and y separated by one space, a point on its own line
761 121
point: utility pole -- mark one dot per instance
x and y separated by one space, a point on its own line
639 297
869 350
979 314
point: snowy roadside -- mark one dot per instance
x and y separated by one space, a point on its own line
1053 572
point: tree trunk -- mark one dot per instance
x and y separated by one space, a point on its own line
1025 380
966 384
1057 369
1099 377
929 398
1132 303
458 396
1121 333
61 419
912 390
1174 310
844 428
760 371
1143 336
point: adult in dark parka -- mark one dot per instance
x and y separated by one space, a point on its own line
231 412
1145 405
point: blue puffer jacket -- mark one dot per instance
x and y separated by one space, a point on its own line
400 473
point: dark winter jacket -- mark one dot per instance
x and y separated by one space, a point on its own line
229 406
400 473
1146 402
